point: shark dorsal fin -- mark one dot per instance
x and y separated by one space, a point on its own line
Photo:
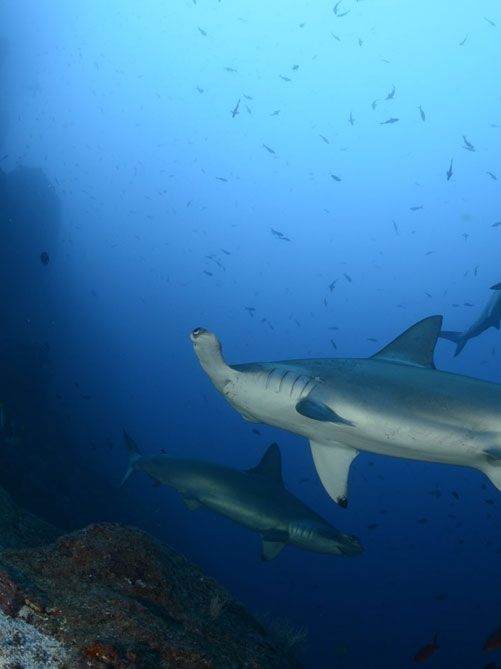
270 465
415 346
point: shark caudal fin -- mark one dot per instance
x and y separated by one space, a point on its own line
456 337
134 455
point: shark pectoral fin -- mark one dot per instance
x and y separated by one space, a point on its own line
316 410
273 544
191 503
332 462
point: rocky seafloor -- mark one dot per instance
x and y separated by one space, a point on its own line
112 597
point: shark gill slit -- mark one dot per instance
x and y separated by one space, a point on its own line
268 376
280 383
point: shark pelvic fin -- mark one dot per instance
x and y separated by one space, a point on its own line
191 503
316 410
493 455
270 465
273 544
493 473
415 346
332 462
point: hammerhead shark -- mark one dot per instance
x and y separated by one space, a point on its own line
489 318
395 403
255 498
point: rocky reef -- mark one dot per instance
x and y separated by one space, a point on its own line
112 597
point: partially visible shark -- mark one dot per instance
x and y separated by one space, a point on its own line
489 318
394 403
255 498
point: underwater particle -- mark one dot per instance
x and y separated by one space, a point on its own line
44 258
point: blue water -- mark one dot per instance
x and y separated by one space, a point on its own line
126 107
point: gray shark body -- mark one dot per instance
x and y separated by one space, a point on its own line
489 318
256 499
395 403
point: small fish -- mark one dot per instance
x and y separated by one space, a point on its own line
492 176
449 172
44 258
351 120
333 344
208 273
496 224
389 121
324 139
468 145
421 113
374 103
416 207
4 157
230 69
222 179
335 177
248 97
491 23
235 111
372 339
347 277
395 226
463 40
268 148
336 37
295 67
391 94
427 651
279 234
227 253
200 90
493 641
275 113
202 32
332 285
251 310
284 78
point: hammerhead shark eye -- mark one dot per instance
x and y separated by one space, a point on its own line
197 332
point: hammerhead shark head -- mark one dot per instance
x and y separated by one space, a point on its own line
395 403
489 318
255 498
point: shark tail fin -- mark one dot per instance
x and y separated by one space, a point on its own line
450 335
134 455
456 337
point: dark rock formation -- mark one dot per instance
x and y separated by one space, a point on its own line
111 597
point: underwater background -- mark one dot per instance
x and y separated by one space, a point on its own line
305 179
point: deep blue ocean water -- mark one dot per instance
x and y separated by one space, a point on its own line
168 203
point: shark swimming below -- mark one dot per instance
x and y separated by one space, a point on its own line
489 318
394 403
255 498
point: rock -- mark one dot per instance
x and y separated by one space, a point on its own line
114 598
